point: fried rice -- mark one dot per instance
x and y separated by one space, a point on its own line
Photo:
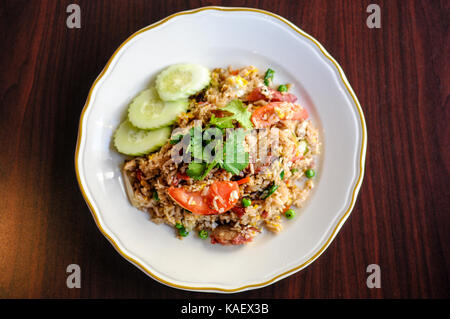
149 177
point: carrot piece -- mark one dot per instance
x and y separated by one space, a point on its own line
244 180
286 209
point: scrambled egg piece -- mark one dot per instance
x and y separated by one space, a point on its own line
237 81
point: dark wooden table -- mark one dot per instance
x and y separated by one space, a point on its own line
399 72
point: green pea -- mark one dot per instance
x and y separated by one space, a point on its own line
290 213
294 170
183 232
310 173
282 88
178 226
203 234
246 202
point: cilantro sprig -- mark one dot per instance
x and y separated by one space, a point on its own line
205 157
230 155
239 113
208 152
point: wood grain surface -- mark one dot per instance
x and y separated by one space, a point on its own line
399 72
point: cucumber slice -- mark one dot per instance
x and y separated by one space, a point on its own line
148 111
180 81
130 140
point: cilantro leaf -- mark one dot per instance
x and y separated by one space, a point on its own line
195 170
235 168
235 157
208 169
222 122
196 145
213 150
199 171
205 158
240 113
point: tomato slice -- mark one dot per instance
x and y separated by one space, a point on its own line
271 96
192 201
220 197
274 112
223 195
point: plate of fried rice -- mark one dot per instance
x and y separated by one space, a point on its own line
216 162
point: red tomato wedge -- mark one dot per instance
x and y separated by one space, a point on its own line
192 201
271 96
220 197
223 195
274 112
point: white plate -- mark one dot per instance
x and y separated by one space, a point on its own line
218 36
